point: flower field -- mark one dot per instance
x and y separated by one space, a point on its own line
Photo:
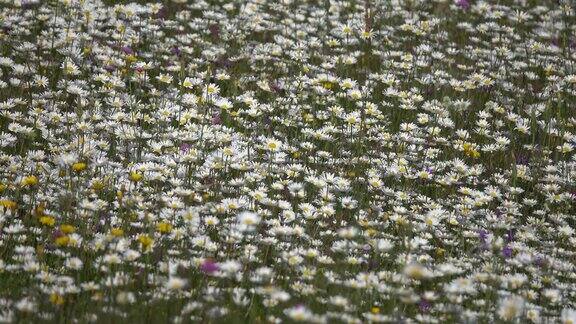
318 161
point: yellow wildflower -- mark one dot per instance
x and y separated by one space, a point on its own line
146 241
131 58
470 151
63 240
56 299
327 85
164 227
135 176
67 229
98 185
9 204
117 232
440 252
79 166
47 220
39 210
29 181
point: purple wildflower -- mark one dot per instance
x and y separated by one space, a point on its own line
184 147
463 4
522 159
510 235
275 87
483 234
540 261
507 252
424 306
127 50
57 233
209 267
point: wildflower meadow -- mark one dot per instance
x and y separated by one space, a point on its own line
280 161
